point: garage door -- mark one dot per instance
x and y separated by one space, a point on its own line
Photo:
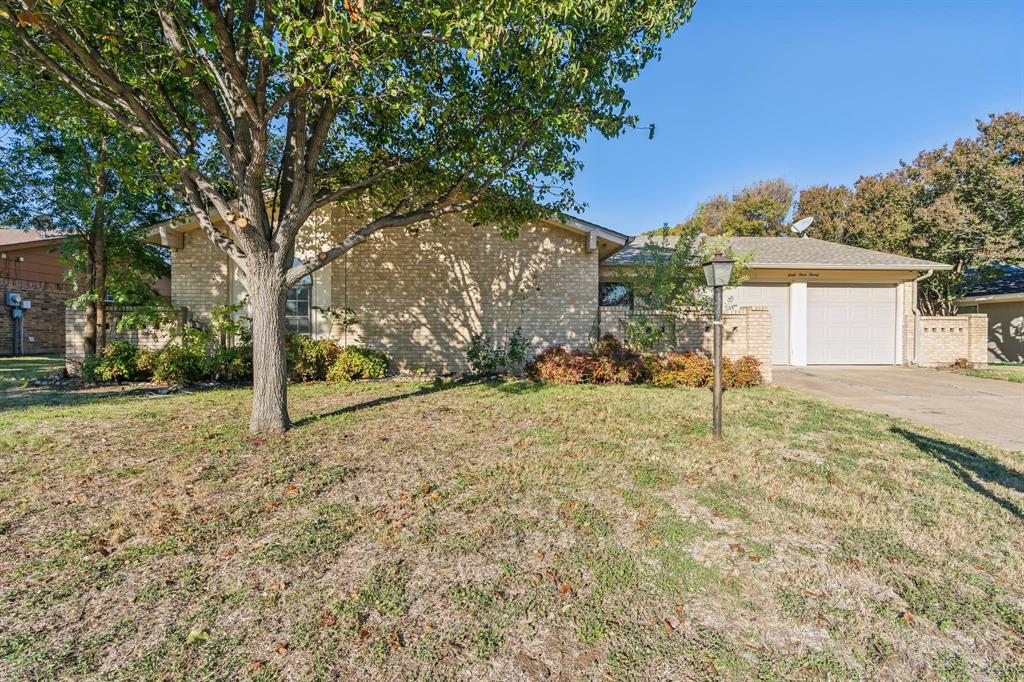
851 325
776 298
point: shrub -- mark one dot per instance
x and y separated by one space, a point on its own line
560 366
697 371
614 363
310 359
488 357
181 363
117 362
357 362
682 369
232 363
145 360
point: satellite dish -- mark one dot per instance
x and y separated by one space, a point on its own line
801 226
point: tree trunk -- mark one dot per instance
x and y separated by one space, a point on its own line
101 289
266 291
90 306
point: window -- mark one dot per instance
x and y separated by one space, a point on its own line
296 305
614 293
967 309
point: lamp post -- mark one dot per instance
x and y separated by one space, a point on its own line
717 272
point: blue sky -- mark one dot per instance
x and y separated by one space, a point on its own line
815 91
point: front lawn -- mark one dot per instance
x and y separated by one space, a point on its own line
1013 373
501 531
21 368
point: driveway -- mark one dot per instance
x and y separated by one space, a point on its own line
983 409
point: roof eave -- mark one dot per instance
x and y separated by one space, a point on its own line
846 266
1011 297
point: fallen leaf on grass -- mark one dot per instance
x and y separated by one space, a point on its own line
197 636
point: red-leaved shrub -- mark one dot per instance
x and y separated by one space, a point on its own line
697 371
613 363
560 366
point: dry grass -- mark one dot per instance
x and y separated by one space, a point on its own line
501 531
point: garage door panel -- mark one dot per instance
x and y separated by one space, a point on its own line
775 297
851 325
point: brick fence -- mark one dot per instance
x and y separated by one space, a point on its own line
944 340
748 331
153 338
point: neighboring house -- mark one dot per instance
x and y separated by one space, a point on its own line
30 266
421 297
1002 299
830 304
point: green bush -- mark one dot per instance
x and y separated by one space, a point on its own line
231 363
145 361
490 357
356 362
117 362
310 359
181 363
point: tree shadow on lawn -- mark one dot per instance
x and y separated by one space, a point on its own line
971 467
22 398
435 387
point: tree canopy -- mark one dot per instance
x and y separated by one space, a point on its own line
961 204
416 110
758 210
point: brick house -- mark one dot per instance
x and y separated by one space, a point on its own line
31 266
421 297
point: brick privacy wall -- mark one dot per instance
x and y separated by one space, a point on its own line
748 331
908 321
150 338
199 275
947 339
420 297
44 321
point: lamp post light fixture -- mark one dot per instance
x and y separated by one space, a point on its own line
717 272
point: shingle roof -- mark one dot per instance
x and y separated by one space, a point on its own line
788 252
9 236
1011 281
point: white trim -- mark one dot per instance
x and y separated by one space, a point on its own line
994 298
899 324
902 267
798 324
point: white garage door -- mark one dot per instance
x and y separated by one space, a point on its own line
851 325
776 298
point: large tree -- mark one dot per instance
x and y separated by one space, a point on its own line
418 110
757 210
961 204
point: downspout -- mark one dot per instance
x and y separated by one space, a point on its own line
917 317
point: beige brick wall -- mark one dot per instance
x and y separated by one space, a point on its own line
748 331
419 297
944 340
199 275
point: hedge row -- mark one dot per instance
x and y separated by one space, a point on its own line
194 358
610 362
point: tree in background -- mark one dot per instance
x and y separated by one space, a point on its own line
961 204
758 210
405 112
68 162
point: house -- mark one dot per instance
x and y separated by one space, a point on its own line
421 297
830 304
30 266
1002 299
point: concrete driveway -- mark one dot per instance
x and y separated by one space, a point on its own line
983 409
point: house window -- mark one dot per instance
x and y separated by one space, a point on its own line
614 293
297 305
967 309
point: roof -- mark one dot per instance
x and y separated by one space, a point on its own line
1009 281
791 252
21 238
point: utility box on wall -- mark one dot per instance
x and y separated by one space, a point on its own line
12 299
